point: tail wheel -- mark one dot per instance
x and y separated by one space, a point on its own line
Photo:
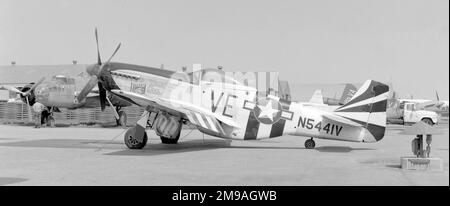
132 142
428 121
310 144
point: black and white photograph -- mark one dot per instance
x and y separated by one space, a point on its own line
254 93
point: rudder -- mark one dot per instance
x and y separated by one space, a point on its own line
368 108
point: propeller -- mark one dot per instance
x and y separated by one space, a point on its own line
103 97
99 60
26 94
34 86
11 88
96 71
102 92
86 89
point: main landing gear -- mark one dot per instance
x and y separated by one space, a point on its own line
47 118
167 126
310 144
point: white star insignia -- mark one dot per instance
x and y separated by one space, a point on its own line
267 111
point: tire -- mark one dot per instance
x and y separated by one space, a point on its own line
132 142
166 140
122 121
310 144
428 121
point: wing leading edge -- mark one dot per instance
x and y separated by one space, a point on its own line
196 115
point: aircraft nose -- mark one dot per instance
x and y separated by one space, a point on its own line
42 91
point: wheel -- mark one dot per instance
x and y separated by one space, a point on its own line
122 121
166 140
132 142
310 144
428 121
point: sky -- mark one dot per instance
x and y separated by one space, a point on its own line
309 42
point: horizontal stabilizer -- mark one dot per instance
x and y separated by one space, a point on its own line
341 120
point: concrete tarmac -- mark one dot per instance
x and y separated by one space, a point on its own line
98 156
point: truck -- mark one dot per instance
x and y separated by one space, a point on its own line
406 113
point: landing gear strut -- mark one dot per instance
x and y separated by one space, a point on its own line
51 121
310 144
122 121
46 117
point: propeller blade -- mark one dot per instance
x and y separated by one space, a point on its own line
34 86
114 53
99 60
437 95
102 93
116 115
30 116
11 88
86 89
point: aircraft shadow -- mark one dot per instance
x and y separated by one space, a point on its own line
67 143
397 166
149 149
189 146
159 148
10 180
6 138
339 149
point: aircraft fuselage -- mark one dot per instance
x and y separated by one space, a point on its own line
257 117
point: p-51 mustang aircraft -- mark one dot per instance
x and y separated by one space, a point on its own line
225 108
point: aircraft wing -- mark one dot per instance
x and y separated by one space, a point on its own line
197 109
10 88
143 101
197 115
